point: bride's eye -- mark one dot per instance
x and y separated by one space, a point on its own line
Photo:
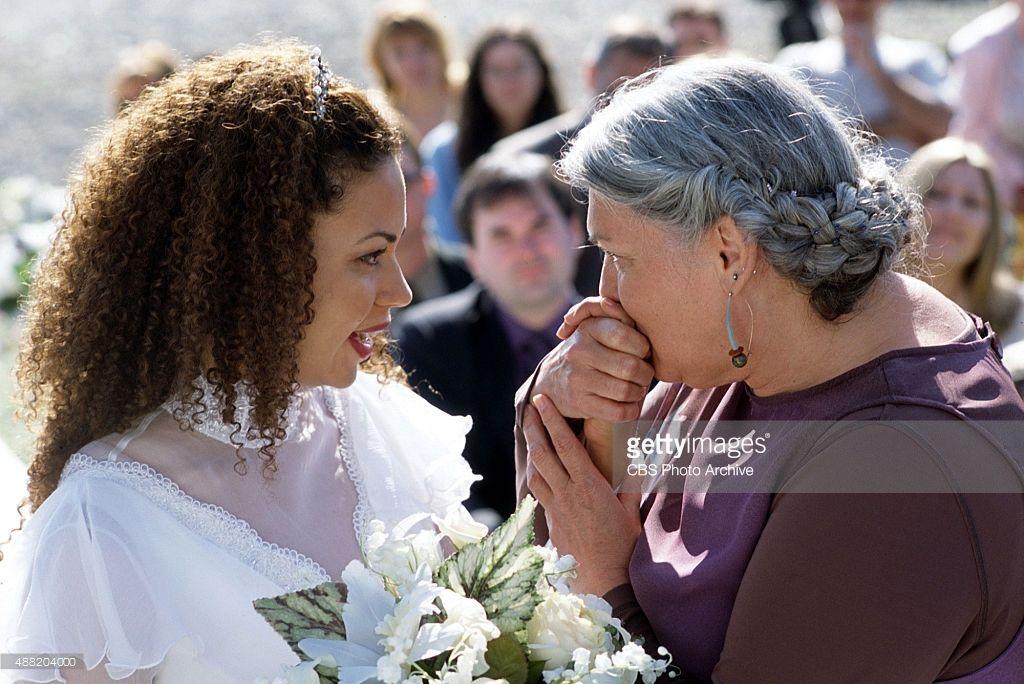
373 258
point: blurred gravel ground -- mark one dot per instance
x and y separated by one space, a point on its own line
55 57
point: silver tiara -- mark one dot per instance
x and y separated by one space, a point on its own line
321 83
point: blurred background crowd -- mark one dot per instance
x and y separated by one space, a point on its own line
494 249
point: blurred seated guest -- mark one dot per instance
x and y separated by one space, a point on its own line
988 68
509 87
893 83
467 352
141 66
432 270
629 49
965 235
798 23
410 60
697 28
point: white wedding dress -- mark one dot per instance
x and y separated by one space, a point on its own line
147 557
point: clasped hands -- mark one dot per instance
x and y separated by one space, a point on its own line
599 373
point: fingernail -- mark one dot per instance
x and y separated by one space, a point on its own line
536 400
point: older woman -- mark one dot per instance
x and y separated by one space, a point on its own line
725 194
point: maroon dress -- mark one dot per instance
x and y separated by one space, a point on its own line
784 580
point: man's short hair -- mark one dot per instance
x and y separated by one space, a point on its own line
633 36
695 10
497 176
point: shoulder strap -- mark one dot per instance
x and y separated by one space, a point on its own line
130 435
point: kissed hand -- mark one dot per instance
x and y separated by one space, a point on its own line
599 371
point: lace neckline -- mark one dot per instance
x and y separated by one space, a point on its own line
209 422
283 566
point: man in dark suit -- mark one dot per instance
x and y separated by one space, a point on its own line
469 351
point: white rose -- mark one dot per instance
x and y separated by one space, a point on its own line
459 526
397 554
560 625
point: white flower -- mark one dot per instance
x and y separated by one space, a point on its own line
399 554
558 569
468 618
600 611
459 526
560 625
303 673
400 631
367 605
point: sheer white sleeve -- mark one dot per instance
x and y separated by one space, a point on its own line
120 567
409 452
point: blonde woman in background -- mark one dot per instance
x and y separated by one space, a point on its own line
965 236
410 59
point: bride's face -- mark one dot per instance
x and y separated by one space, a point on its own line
357 277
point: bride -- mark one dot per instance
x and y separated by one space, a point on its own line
205 356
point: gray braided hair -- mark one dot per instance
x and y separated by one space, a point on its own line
689 143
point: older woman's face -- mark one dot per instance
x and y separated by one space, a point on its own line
673 292
357 279
958 214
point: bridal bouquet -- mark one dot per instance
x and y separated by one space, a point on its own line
498 609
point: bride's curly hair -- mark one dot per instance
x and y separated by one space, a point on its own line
186 248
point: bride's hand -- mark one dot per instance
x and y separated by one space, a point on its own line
599 371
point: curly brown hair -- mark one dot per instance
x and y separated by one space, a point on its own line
186 249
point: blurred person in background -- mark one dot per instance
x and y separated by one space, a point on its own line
141 66
965 240
894 84
697 28
410 60
629 48
468 352
988 69
798 23
509 87
431 269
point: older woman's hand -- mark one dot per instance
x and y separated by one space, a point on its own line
599 370
585 517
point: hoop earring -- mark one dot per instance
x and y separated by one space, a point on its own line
739 355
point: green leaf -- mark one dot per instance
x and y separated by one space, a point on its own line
501 571
327 675
312 613
536 671
507 659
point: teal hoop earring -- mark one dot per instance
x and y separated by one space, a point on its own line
738 354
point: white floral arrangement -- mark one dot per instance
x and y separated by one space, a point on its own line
27 210
498 609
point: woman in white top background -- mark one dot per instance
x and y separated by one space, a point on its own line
205 360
